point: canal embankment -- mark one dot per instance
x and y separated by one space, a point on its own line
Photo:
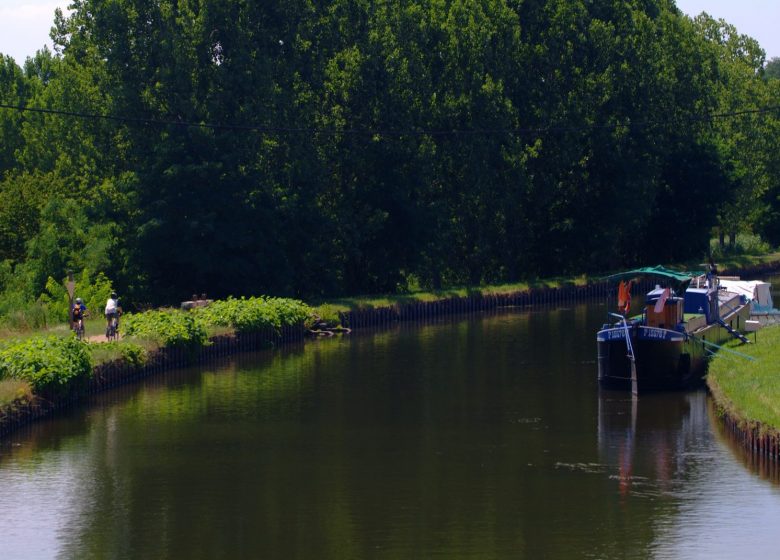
252 327
124 370
181 339
744 382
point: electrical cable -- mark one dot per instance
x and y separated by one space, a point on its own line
387 132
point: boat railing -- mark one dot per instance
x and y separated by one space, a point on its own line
630 349
629 346
731 306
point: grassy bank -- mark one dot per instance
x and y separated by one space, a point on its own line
749 391
421 296
731 263
328 309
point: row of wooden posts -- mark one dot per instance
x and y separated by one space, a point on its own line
762 449
477 303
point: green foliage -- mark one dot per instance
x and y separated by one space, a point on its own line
167 327
750 390
17 313
326 313
48 363
93 291
21 310
744 244
254 313
124 350
13 89
772 68
440 144
13 390
134 354
20 198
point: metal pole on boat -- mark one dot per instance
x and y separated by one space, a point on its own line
630 352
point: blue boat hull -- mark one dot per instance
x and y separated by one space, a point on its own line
660 363
665 359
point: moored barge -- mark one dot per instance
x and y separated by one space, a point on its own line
684 318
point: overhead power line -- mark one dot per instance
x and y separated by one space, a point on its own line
156 122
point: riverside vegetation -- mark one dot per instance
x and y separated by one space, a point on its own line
52 365
319 150
323 149
34 362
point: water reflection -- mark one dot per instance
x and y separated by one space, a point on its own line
485 437
760 464
646 437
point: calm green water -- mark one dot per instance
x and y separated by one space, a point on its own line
468 438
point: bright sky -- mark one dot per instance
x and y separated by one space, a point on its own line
25 24
759 19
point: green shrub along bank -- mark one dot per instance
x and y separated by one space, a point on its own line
50 364
254 313
166 327
55 364
127 351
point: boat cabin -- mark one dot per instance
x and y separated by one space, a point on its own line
670 316
702 301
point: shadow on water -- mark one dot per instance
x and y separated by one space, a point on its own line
760 464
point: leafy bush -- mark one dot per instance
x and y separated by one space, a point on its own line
129 352
23 311
18 314
168 327
745 244
19 310
254 313
47 363
94 292
326 313
133 354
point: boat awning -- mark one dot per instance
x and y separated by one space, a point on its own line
681 279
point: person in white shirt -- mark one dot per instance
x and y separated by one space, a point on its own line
112 310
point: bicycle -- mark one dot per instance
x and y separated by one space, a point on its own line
112 330
78 328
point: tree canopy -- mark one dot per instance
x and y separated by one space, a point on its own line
314 148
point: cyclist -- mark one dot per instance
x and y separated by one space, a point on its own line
77 314
113 311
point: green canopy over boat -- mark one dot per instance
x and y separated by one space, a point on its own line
681 279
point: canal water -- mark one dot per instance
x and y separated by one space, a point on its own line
481 437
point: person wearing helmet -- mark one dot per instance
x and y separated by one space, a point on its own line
77 314
113 311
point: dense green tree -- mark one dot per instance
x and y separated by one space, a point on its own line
14 91
741 135
772 68
315 148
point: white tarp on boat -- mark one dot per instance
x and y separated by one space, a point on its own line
756 291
